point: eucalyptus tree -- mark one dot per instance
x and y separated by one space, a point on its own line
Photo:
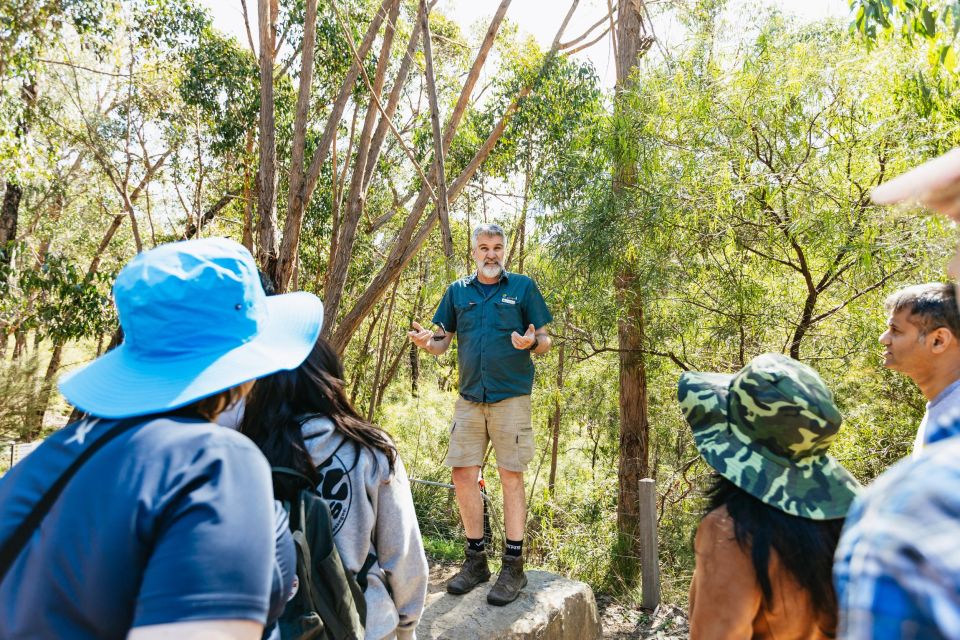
27 29
378 107
761 190
934 23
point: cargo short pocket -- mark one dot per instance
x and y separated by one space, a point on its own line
467 443
525 444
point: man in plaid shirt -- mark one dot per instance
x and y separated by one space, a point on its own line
897 569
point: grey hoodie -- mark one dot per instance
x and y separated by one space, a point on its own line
373 513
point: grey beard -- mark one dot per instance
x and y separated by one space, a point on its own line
491 270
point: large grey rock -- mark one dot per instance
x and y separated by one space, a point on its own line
551 607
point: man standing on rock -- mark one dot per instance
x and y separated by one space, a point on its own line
500 318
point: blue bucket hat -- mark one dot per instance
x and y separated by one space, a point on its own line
196 322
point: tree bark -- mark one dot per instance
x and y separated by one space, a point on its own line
400 254
438 152
555 446
301 189
376 143
9 214
385 333
634 427
211 212
35 426
267 173
13 191
248 193
288 254
340 264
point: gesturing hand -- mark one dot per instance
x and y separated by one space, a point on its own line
524 341
420 336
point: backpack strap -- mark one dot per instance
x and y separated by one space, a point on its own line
365 569
15 543
371 557
287 471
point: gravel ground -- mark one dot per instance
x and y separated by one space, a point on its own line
621 621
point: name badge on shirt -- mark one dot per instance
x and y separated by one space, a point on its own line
508 300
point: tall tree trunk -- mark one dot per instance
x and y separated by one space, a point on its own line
248 193
9 214
267 173
303 182
401 253
350 219
13 191
634 426
35 424
632 43
438 152
555 445
383 125
385 334
288 256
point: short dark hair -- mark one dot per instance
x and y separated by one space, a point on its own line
932 305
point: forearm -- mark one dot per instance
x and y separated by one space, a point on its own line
544 342
438 344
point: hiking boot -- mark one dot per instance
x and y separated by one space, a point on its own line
473 572
509 582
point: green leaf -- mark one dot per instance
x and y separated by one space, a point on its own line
929 22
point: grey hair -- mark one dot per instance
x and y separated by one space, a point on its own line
487 229
931 305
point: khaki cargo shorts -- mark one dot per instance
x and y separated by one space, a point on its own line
505 423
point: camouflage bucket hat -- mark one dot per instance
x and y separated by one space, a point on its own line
767 429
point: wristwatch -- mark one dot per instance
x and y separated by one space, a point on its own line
536 343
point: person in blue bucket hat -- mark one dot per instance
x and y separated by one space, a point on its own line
144 519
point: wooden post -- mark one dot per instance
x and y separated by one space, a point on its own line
650 557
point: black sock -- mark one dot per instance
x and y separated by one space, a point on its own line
513 548
476 545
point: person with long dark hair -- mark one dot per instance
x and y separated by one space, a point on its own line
764 548
303 420
147 520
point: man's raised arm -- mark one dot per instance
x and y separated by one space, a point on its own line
435 343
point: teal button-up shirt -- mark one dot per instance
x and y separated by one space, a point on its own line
491 368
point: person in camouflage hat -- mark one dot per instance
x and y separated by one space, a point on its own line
764 548
767 430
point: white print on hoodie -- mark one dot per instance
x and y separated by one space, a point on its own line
373 513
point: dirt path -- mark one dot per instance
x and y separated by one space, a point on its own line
620 621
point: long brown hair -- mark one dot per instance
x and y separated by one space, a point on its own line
281 403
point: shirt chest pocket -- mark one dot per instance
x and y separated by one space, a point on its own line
507 317
468 316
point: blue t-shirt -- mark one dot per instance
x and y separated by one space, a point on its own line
491 368
174 520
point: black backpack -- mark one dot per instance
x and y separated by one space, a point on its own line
329 602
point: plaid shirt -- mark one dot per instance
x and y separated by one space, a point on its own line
897 568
